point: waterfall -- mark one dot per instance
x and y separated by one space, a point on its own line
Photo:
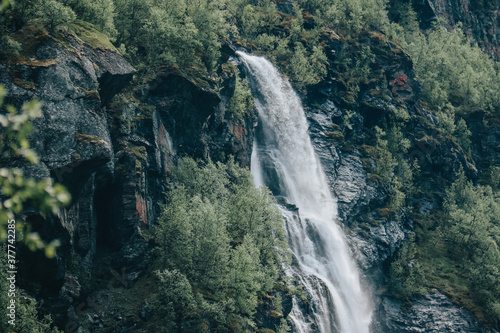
283 158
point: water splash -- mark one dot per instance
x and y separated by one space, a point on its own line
283 158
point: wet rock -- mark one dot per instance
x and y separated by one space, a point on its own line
72 137
433 313
195 117
381 244
350 186
132 259
71 288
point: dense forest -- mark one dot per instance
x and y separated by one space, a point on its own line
219 245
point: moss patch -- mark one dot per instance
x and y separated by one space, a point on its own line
28 85
335 136
88 139
88 34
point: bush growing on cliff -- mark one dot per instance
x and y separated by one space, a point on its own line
407 279
454 70
225 237
350 16
473 229
392 166
242 101
101 13
53 12
458 248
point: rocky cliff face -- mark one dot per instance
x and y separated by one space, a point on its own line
111 145
342 130
432 313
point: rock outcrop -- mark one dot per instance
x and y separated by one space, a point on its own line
432 313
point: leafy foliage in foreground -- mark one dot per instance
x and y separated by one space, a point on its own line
18 192
221 244
27 319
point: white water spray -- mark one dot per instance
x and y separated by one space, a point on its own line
283 158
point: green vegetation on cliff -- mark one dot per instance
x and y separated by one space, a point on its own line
456 250
221 246
216 275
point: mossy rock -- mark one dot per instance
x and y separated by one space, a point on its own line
364 226
368 163
228 68
138 151
363 233
384 213
88 139
89 35
276 314
92 94
372 222
349 98
335 136
266 330
428 140
28 85
336 127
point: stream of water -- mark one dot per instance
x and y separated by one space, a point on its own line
284 159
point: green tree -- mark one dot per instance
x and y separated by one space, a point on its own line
453 70
305 69
174 299
252 212
168 38
209 21
225 236
52 12
463 135
245 276
406 276
350 16
242 101
210 243
472 230
129 13
101 13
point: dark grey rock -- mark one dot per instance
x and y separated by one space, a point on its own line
433 313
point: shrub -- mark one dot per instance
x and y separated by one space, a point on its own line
242 100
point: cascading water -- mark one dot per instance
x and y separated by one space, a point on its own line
283 158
